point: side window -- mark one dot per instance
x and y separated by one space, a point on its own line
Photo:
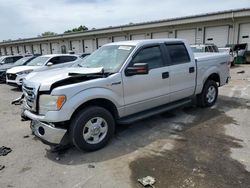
178 53
9 60
55 60
16 58
65 59
206 49
150 55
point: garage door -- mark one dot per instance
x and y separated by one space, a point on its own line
28 49
55 48
14 50
138 37
21 50
244 35
102 41
76 46
217 35
45 49
36 49
8 50
160 35
89 46
189 35
2 51
119 38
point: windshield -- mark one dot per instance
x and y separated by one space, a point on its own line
22 61
110 58
197 49
39 61
1 59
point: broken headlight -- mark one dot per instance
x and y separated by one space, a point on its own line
50 103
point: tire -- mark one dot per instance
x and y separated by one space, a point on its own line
205 99
91 128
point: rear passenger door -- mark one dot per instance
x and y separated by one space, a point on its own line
142 92
182 72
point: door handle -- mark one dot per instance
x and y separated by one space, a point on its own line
165 75
191 69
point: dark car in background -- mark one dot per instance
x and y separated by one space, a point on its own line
83 55
9 59
6 66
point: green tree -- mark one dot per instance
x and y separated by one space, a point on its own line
48 33
77 29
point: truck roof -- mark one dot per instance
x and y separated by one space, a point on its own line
144 42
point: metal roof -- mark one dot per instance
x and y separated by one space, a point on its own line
171 21
144 42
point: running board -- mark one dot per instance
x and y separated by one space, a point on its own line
154 111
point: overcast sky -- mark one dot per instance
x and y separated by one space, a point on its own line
29 18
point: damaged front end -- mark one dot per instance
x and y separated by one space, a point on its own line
18 101
48 133
40 105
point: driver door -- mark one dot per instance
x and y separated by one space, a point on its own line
142 92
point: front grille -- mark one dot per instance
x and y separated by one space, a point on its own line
11 76
30 97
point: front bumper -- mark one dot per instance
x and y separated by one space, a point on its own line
18 80
47 133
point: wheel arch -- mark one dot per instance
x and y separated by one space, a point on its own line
101 102
215 77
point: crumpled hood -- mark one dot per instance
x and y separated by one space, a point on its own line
17 69
47 78
6 66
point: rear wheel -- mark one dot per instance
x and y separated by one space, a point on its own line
209 94
92 128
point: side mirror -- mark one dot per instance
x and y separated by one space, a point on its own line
49 64
137 69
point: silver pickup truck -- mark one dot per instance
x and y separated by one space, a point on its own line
119 83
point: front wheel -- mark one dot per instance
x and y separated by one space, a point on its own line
209 94
92 128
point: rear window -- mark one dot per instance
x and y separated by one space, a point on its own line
65 59
178 53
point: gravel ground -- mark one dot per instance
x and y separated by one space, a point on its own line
187 147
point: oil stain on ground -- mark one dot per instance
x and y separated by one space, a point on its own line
202 160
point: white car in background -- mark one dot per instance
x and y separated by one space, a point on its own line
229 51
199 48
15 75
